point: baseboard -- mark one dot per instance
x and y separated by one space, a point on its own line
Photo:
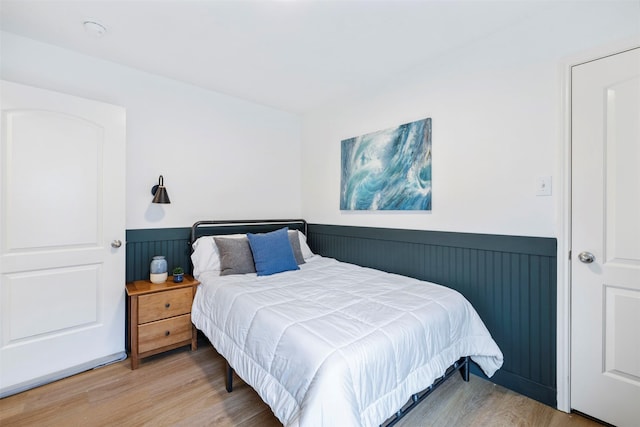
46 379
541 393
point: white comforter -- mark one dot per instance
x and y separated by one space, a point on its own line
334 344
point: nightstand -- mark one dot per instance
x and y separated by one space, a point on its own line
160 317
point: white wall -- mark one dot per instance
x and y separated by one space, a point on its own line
495 106
497 125
221 157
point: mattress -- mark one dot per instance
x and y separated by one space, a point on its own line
337 344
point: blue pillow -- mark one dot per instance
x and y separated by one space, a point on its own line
272 252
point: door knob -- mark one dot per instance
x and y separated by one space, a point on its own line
586 257
116 244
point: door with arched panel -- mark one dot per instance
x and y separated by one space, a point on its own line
62 223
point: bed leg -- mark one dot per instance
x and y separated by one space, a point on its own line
464 369
228 378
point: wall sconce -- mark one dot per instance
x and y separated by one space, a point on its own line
160 192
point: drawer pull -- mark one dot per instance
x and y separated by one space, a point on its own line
167 333
167 305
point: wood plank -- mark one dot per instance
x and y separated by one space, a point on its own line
185 388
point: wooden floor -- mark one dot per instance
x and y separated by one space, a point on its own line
184 388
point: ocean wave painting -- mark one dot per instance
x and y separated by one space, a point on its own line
388 170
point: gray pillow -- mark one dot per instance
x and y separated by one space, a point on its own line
235 256
295 246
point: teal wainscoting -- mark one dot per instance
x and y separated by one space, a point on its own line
142 245
510 280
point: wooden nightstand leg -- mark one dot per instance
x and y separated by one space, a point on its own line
194 338
133 331
194 331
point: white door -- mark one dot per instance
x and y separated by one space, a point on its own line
62 192
605 265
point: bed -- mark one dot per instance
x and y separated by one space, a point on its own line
329 343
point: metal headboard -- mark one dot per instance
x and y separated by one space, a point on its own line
217 227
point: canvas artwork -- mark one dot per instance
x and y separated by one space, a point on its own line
388 170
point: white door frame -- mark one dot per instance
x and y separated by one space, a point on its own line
563 331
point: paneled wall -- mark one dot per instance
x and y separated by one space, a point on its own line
510 280
142 245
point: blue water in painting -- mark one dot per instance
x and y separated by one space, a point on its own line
388 170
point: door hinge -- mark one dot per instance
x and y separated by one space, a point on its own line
569 255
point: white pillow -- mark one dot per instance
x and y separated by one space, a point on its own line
205 256
304 248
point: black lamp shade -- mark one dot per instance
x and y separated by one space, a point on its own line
160 192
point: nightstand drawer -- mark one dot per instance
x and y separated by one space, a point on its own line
164 332
162 305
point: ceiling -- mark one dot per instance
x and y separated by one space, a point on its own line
291 55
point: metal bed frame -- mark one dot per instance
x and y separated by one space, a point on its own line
235 226
240 226
462 365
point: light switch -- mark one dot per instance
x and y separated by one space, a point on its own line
543 186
